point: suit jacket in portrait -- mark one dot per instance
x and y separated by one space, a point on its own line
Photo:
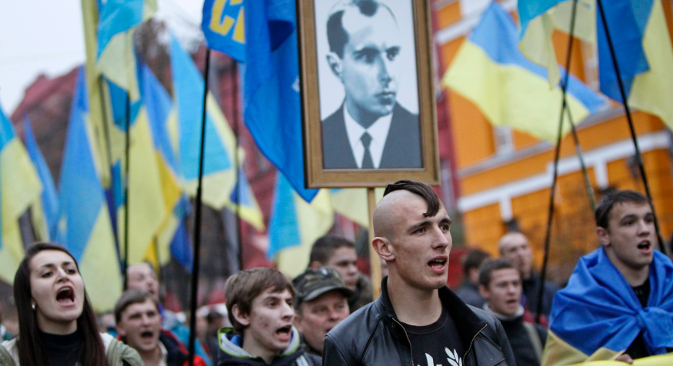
401 150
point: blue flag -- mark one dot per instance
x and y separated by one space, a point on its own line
223 26
271 100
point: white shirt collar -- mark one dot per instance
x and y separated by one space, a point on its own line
377 130
164 355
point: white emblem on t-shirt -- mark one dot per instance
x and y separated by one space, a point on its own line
453 358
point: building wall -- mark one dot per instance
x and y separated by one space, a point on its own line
498 188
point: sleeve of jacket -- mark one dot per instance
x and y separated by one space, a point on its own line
504 344
332 355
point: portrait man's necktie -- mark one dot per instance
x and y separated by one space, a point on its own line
367 162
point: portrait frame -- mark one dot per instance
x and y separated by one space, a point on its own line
310 57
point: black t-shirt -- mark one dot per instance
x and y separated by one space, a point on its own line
638 348
436 344
63 350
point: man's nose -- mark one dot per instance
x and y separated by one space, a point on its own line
442 238
644 227
384 72
287 310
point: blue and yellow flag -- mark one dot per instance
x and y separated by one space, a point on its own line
19 189
598 315
490 71
223 26
244 203
219 173
84 224
49 198
295 225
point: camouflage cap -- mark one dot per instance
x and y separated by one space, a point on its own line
315 282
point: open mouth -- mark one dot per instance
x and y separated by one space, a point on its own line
512 302
147 335
285 331
644 245
65 295
437 263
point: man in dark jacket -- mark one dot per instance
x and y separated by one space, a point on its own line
417 320
500 285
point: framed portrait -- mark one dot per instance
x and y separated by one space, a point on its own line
368 102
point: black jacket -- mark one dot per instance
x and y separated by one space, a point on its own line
374 336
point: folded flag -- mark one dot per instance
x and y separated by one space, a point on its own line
223 26
490 71
599 315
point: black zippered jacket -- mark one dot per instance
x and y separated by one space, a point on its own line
374 336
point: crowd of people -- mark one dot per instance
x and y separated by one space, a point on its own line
618 304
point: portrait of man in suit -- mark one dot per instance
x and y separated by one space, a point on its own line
371 129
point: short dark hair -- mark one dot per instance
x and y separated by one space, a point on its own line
602 213
242 288
130 297
425 191
486 269
31 347
337 37
323 249
474 259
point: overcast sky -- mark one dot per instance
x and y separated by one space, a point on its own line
45 37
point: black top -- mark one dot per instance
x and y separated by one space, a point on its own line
434 343
519 339
638 348
63 350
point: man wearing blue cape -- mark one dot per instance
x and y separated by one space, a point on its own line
618 304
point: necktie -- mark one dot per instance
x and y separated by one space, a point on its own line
367 162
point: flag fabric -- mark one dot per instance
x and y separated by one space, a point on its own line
490 71
49 197
271 100
84 224
659 360
158 105
117 20
597 315
219 173
539 19
19 189
223 26
243 202
295 225
650 90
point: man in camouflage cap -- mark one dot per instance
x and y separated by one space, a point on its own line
321 303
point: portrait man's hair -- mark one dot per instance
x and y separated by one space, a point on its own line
336 34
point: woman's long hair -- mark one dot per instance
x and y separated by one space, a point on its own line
29 343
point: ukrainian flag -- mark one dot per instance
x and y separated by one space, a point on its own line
219 174
509 89
19 189
85 227
295 225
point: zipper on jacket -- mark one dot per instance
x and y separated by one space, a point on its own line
411 351
472 341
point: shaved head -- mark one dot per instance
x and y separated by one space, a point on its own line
385 213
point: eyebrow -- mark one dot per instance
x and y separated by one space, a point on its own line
52 265
444 220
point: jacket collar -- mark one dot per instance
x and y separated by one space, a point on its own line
467 322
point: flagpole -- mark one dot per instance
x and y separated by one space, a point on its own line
557 153
127 181
197 221
239 253
639 157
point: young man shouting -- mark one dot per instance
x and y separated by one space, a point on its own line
260 303
417 319
619 300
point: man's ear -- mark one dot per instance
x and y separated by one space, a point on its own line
120 331
315 265
603 236
484 292
239 316
383 248
334 63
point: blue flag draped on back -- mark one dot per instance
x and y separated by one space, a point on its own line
223 26
271 101
599 309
